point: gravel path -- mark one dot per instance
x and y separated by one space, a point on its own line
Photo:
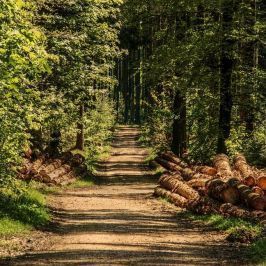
118 222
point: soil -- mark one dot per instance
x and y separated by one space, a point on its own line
119 222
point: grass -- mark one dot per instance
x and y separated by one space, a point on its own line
152 155
23 210
229 225
86 181
238 230
11 227
257 252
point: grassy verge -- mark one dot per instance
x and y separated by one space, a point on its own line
11 227
86 181
230 225
257 252
22 211
239 230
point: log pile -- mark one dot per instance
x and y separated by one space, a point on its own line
238 190
62 171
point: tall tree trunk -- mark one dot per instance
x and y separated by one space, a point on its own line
226 98
138 88
249 61
126 89
80 142
179 142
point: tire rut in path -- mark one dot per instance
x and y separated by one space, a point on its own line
118 222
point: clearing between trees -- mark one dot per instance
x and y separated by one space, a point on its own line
119 222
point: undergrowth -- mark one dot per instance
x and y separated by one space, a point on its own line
230 225
239 230
22 210
257 251
84 182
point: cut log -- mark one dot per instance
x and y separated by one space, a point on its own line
198 182
154 165
63 179
168 175
261 182
168 165
36 165
222 164
204 205
170 156
242 166
222 191
258 190
206 170
249 181
237 174
178 200
187 173
26 167
235 211
202 176
251 199
50 168
63 170
179 187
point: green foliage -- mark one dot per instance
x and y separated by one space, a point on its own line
257 252
54 56
157 128
239 230
12 227
99 124
22 210
85 182
183 44
23 60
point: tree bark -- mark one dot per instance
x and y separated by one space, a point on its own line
179 141
138 88
226 98
80 142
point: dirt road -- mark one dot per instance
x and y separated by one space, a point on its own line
118 222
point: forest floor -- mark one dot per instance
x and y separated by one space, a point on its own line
119 222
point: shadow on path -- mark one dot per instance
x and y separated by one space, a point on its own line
118 222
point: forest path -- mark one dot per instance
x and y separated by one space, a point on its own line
118 222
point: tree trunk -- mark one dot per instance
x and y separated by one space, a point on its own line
138 88
226 98
80 142
179 142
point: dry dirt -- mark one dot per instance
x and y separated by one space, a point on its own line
118 222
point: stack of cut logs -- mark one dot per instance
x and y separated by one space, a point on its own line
61 171
239 191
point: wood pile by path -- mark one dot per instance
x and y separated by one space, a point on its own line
62 171
238 190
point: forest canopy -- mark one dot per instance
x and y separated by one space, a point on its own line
191 73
